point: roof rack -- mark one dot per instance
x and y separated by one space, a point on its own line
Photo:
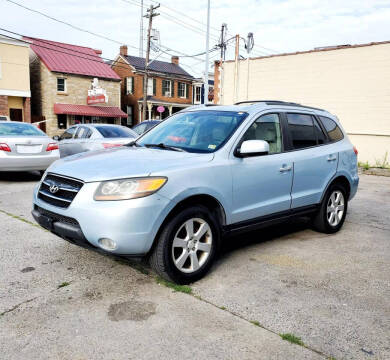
276 102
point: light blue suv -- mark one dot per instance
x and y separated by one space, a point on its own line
204 173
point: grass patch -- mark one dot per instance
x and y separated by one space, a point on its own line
292 339
179 288
65 283
363 165
222 307
255 322
22 219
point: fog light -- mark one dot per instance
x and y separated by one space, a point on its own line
107 244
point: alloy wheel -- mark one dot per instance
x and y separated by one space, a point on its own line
191 245
335 208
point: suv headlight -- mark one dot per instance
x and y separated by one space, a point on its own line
125 189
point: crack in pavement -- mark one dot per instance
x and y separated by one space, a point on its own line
16 306
370 225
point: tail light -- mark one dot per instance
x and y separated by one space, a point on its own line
110 145
355 150
52 146
4 147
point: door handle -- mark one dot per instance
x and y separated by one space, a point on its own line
285 168
332 158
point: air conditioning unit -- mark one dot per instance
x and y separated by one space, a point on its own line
167 93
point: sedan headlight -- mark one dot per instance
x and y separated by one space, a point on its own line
125 189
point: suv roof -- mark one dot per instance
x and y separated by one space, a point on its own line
250 105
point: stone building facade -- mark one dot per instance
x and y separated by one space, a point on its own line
61 97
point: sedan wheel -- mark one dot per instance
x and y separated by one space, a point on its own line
192 245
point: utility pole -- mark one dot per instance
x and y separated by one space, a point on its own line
206 70
151 14
222 45
236 57
249 46
141 31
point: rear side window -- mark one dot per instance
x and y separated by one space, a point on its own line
115 131
302 130
334 132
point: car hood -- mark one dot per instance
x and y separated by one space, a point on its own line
123 162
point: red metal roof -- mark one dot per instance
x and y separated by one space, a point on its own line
71 59
87 110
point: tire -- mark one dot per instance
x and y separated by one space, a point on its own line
335 201
173 256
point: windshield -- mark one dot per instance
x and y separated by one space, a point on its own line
195 131
116 131
19 129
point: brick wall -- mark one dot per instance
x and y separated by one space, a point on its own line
4 105
26 110
45 95
124 71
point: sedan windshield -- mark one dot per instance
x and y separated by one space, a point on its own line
195 131
116 131
19 129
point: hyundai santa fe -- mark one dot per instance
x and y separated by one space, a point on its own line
206 172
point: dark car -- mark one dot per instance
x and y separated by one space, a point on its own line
145 126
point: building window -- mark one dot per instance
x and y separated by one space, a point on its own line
198 92
61 85
151 90
182 90
167 88
130 85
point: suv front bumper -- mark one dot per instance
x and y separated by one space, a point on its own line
131 224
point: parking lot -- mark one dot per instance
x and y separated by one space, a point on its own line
59 301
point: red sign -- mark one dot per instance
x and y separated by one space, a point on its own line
161 109
96 99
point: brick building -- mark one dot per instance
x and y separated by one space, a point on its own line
169 86
72 84
14 80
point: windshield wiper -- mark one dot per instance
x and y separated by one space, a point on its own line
165 147
132 143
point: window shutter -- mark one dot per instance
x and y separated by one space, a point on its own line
187 88
154 87
132 84
162 88
172 88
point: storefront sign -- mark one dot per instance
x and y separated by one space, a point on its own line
160 109
96 95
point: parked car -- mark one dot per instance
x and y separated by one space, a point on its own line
204 173
88 137
145 126
23 147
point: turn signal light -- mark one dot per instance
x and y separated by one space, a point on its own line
355 150
4 147
52 146
108 145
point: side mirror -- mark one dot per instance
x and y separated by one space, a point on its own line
56 138
253 148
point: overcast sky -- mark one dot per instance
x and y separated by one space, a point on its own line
278 25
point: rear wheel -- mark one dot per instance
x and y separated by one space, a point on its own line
187 246
333 210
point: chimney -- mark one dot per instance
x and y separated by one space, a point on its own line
175 60
98 52
123 50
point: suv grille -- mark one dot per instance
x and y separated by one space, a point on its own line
63 190
57 217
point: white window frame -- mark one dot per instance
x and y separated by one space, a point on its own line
196 100
129 85
149 87
170 88
129 119
61 91
185 92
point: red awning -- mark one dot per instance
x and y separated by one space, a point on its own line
87 110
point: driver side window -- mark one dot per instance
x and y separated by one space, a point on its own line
267 128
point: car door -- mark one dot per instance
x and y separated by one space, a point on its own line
262 184
315 160
80 140
65 141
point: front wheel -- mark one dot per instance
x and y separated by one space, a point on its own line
187 246
333 210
